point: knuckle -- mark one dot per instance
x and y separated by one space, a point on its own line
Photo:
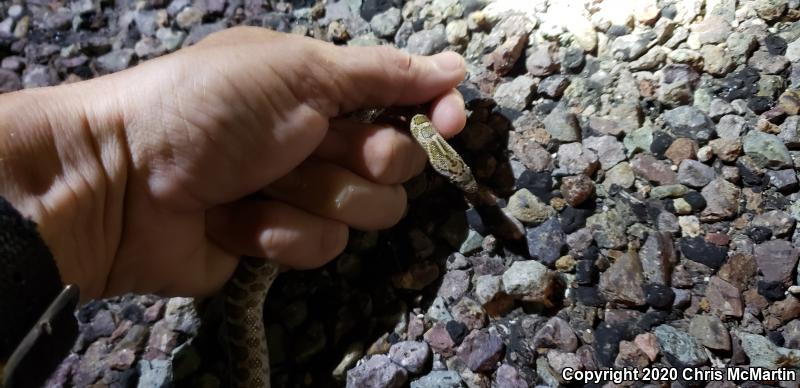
403 60
399 60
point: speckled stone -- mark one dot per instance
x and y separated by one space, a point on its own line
710 331
622 282
481 351
680 346
556 334
608 229
377 372
528 280
652 169
526 207
547 241
411 355
577 189
438 379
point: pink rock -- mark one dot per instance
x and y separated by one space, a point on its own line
648 344
439 339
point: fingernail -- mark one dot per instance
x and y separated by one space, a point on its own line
448 61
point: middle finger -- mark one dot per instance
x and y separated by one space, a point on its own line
331 191
377 152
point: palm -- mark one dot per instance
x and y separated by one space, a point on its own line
207 151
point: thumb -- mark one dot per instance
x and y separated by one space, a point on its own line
381 76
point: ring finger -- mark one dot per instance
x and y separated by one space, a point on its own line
331 191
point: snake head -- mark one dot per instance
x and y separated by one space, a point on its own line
419 119
422 129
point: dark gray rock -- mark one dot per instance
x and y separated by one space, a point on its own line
547 241
92 365
370 8
102 325
791 333
695 174
776 260
688 121
553 86
702 251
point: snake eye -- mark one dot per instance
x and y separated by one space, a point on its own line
419 120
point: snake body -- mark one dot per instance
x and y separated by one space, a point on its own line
246 337
245 292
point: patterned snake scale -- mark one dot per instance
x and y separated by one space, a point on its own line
245 292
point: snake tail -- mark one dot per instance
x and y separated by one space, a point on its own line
244 319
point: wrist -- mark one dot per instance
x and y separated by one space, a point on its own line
64 166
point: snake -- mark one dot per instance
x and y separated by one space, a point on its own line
244 294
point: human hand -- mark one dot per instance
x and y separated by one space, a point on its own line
141 176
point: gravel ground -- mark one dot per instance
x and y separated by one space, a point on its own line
650 149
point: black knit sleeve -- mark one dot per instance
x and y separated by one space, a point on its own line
29 278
